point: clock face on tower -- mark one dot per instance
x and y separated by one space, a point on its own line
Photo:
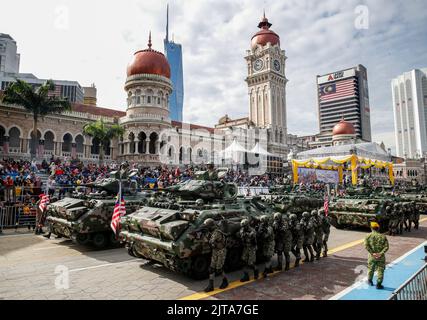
276 65
258 65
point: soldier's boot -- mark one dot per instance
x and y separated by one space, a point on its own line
279 266
47 235
325 250
210 286
370 282
296 265
310 249
245 277
307 257
318 255
224 283
380 286
265 272
256 274
287 266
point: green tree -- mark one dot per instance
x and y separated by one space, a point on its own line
104 134
37 101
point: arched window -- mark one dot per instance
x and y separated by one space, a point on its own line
49 141
66 142
107 148
95 146
131 142
153 140
79 144
181 155
142 145
14 138
34 143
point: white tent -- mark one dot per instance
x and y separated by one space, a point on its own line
234 152
257 149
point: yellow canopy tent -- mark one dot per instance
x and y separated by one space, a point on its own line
337 164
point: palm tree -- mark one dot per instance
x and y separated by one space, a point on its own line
102 133
35 100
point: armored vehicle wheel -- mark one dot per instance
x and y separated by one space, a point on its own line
100 240
82 238
114 241
200 267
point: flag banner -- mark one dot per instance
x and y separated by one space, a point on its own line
339 90
118 212
43 203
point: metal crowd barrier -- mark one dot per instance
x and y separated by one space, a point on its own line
253 191
413 289
14 217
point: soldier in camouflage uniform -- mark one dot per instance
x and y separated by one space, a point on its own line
318 233
218 244
377 245
308 228
283 240
392 222
417 216
265 236
401 218
297 238
412 214
248 236
407 216
325 221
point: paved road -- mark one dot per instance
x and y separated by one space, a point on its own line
32 267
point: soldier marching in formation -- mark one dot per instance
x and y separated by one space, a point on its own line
318 233
218 244
265 236
297 238
402 216
308 228
283 240
325 221
249 240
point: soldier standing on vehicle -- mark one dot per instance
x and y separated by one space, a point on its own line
265 236
308 228
218 244
248 236
318 233
377 245
297 238
325 221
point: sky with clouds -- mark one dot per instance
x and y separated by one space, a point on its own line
92 41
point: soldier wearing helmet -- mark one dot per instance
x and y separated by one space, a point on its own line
217 239
318 233
265 241
297 238
249 240
308 229
283 240
325 221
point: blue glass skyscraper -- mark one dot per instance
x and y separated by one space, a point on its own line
173 53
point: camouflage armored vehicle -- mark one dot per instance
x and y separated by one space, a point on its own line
85 218
347 212
294 203
170 229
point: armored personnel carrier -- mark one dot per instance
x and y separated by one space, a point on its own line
294 203
170 229
359 212
85 218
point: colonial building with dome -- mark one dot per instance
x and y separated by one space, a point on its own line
151 138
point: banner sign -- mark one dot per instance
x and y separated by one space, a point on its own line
306 175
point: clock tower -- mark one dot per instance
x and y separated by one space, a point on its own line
267 82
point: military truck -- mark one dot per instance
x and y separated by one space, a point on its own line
359 212
170 229
85 218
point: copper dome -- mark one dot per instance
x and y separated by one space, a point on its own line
343 127
149 61
265 35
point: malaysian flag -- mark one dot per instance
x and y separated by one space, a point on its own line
44 202
337 90
326 205
119 211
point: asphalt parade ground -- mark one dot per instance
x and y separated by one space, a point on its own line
32 267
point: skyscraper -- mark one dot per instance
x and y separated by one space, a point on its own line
344 94
173 53
410 113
